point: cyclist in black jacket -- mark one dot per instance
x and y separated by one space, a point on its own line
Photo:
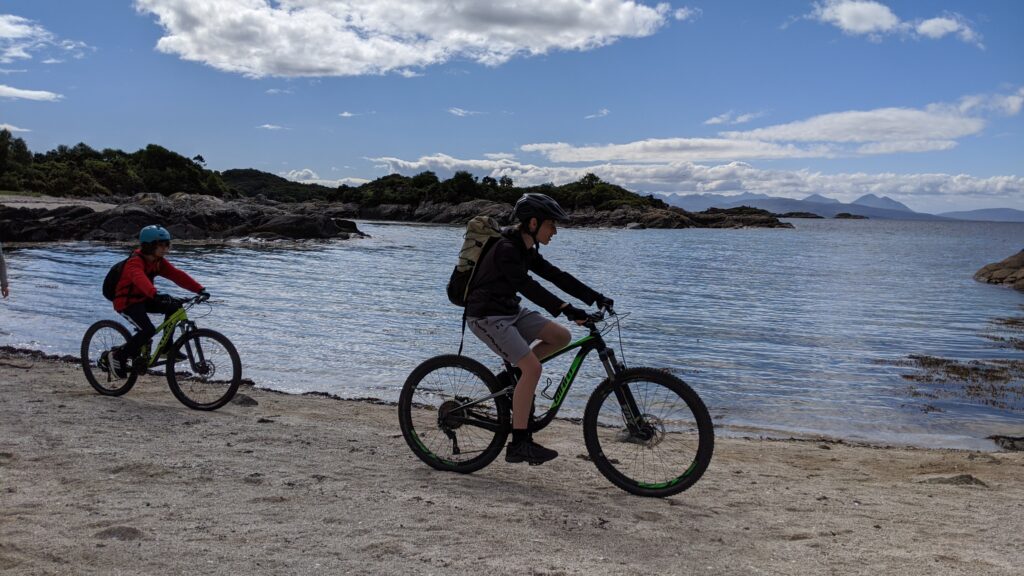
493 312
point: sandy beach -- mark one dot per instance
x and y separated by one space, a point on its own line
50 202
312 485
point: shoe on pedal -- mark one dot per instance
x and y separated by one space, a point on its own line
104 362
179 357
118 362
528 451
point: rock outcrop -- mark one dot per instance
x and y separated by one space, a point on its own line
198 217
186 216
1009 272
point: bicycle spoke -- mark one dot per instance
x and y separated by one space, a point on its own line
666 439
442 425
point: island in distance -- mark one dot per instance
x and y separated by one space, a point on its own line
817 205
108 195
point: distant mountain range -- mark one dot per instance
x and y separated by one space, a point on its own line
988 215
869 205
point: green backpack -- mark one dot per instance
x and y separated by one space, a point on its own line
481 233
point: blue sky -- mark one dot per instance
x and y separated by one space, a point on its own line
920 101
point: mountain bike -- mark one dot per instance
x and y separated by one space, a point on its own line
645 429
203 368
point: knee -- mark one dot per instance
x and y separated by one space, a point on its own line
560 335
530 366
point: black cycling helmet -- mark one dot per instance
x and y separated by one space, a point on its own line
539 206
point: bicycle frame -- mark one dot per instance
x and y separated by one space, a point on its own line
166 328
586 345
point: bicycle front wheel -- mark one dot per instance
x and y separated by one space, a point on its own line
99 339
203 369
447 418
648 432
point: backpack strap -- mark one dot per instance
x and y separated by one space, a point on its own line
462 339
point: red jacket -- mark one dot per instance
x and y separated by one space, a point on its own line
136 284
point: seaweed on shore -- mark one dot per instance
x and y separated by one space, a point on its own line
998 383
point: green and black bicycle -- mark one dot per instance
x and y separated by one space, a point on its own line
645 429
203 368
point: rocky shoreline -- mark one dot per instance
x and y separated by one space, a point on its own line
1008 272
200 217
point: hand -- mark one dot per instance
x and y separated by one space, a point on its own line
164 299
575 314
203 295
604 302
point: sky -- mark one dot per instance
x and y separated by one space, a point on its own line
920 100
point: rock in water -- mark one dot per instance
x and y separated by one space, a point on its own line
1009 272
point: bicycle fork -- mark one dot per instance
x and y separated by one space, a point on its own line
631 415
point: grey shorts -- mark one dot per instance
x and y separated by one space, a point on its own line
509 336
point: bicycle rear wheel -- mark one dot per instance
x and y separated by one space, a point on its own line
438 427
210 372
98 340
648 432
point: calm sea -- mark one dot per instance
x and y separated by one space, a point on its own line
781 331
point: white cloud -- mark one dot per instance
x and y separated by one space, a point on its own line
874 20
20 37
688 177
675 150
944 25
13 128
308 176
935 127
461 113
856 16
729 118
687 13
599 114
302 175
935 122
39 95
347 114
358 37
276 91
899 146
12 70
271 127
500 156
1003 104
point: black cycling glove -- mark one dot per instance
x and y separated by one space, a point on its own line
573 313
604 302
203 295
165 299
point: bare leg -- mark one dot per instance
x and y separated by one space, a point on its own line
552 338
522 399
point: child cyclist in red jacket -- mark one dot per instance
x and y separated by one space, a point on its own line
136 296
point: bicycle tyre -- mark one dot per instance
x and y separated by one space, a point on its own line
613 448
90 358
422 399
199 389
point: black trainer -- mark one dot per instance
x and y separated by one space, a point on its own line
118 362
528 451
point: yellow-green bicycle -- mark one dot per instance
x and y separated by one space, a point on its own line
203 368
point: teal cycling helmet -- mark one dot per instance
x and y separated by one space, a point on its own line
154 233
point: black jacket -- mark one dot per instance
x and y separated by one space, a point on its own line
504 271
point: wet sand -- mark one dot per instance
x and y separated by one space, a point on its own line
311 485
